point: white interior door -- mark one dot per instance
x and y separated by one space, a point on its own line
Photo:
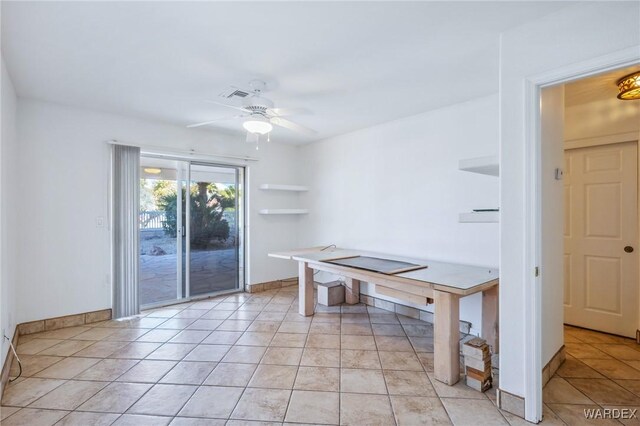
601 238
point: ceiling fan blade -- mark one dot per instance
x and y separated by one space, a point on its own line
226 105
204 123
281 112
287 124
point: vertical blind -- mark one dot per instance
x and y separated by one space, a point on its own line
126 204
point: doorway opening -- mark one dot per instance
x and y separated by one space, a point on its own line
191 230
591 291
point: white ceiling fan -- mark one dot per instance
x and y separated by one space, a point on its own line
258 112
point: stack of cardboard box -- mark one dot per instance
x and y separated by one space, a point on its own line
477 362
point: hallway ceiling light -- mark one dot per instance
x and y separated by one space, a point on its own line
153 170
629 87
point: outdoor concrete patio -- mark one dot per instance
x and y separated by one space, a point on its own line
211 271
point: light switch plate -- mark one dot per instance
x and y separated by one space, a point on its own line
559 174
99 222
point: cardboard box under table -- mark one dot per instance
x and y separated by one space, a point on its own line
331 293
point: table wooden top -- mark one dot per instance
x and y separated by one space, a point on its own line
451 277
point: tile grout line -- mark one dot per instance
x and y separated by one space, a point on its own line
198 387
246 386
340 373
384 378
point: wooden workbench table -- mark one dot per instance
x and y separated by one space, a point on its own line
441 283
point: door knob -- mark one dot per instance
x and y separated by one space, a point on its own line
628 249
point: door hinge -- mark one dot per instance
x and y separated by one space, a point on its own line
537 271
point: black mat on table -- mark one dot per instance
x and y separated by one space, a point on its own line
376 264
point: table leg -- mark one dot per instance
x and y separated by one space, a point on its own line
490 324
305 289
352 291
446 357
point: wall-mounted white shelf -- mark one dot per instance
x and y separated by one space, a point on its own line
479 217
276 187
284 211
483 165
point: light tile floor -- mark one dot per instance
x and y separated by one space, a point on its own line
601 371
248 358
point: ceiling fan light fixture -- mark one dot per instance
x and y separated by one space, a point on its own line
258 113
629 87
257 125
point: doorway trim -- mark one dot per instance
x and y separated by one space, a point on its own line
533 208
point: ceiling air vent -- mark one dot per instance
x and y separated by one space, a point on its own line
234 92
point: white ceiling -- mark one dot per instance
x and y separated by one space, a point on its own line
599 87
352 64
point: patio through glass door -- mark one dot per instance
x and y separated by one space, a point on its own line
191 230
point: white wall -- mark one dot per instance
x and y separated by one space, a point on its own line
552 215
63 174
574 34
396 188
601 118
8 231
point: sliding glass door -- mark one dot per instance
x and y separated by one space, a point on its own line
214 232
191 230
160 228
